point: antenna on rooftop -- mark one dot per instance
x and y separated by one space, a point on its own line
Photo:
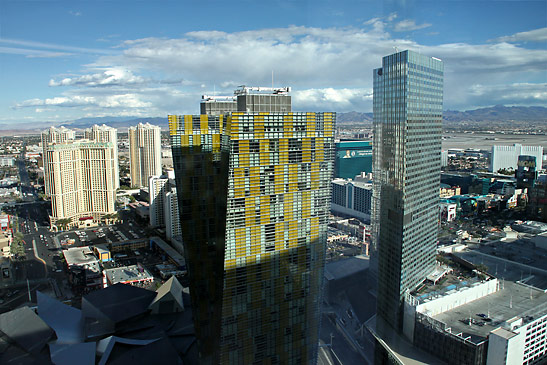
272 80
396 49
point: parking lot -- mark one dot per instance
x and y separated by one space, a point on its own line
101 235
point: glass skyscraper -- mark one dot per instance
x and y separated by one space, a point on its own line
254 201
407 105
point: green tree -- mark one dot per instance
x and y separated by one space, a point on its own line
17 247
109 217
509 172
63 223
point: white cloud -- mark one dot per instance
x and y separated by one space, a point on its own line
331 99
328 68
33 53
113 76
536 35
510 94
110 101
391 17
32 46
409 25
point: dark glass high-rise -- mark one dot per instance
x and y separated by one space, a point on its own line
254 200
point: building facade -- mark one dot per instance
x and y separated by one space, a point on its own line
158 186
53 136
506 157
7 161
80 176
526 173
352 198
352 158
144 153
254 200
444 158
104 133
214 105
164 209
171 213
407 102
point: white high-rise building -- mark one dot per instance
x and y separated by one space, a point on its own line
506 157
144 153
158 187
164 210
444 158
171 213
80 176
104 133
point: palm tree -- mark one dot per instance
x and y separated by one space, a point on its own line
63 223
109 217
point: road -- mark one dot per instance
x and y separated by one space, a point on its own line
33 222
343 350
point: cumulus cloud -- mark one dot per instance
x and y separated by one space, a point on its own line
297 55
115 76
515 93
409 25
328 68
110 101
536 35
332 99
391 17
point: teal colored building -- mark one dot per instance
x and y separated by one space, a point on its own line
352 158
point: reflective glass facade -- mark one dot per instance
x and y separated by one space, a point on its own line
254 199
408 97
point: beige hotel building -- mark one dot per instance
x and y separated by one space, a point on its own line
81 176
144 153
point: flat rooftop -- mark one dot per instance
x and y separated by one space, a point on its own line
346 267
512 300
81 256
533 227
507 261
127 274
451 281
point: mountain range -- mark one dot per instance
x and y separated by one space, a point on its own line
491 114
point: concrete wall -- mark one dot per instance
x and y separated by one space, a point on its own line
458 298
541 241
503 349
335 208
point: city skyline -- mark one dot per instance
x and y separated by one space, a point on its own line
99 59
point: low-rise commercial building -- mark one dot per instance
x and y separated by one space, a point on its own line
6 161
482 322
132 274
83 266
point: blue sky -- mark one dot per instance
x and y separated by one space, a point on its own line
63 60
